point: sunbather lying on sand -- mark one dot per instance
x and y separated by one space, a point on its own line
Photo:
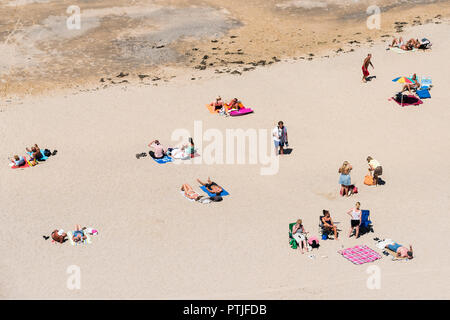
59 235
18 161
414 86
186 151
401 251
189 192
78 234
399 43
35 152
211 186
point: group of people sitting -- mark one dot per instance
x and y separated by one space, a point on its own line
347 188
159 151
410 44
35 154
210 185
299 233
224 108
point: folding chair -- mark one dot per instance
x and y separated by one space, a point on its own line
366 224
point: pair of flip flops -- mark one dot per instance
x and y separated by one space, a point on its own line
139 155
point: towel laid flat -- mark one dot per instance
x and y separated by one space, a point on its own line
223 193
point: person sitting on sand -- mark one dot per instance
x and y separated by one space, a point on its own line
218 104
78 234
59 235
355 222
328 223
345 179
18 161
35 152
159 152
375 169
415 85
299 234
211 186
365 67
401 251
234 104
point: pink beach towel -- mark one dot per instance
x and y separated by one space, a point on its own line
360 254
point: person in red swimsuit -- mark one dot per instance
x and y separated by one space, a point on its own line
365 67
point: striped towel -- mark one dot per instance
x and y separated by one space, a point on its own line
360 254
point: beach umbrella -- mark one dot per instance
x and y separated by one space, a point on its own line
403 80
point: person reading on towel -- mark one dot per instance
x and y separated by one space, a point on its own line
35 152
59 235
189 192
299 234
375 168
78 234
18 161
211 186
415 85
401 251
218 104
159 151
328 223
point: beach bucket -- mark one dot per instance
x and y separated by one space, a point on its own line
324 236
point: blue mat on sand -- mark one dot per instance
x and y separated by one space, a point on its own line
423 94
166 159
223 193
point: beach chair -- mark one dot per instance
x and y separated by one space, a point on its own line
366 224
292 242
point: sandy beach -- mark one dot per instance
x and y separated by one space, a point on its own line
154 244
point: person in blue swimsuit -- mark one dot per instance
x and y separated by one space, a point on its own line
78 234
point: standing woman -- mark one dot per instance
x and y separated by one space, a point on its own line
344 178
355 222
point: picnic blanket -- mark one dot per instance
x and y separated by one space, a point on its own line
223 193
360 254
163 160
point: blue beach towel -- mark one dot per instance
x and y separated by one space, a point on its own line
166 159
223 193
423 94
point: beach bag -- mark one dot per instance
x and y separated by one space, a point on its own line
47 153
425 44
368 180
216 198
355 189
324 236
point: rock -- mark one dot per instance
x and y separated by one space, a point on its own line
214 41
102 80
232 37
142 76
159 47
205 57
248 68
194 49
121 75
236 72
237 62
276 59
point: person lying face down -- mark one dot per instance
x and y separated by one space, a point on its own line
401 251
59 235
159 152
18 161
211 186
